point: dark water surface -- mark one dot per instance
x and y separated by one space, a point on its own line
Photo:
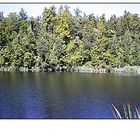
65 95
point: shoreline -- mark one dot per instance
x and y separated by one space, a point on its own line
82 69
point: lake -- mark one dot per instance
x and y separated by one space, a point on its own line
65 95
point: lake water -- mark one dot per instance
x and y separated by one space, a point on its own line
65 95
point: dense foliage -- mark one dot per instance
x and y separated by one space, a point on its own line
62 40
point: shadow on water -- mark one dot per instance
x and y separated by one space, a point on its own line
65 95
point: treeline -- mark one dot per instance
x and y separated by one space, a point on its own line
61 41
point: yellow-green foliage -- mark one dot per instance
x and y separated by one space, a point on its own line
63 27
62 39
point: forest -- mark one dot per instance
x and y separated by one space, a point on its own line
60 41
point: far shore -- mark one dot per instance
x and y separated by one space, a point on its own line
84 69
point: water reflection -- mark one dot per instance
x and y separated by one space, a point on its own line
65 95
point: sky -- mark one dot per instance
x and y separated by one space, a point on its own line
96 9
